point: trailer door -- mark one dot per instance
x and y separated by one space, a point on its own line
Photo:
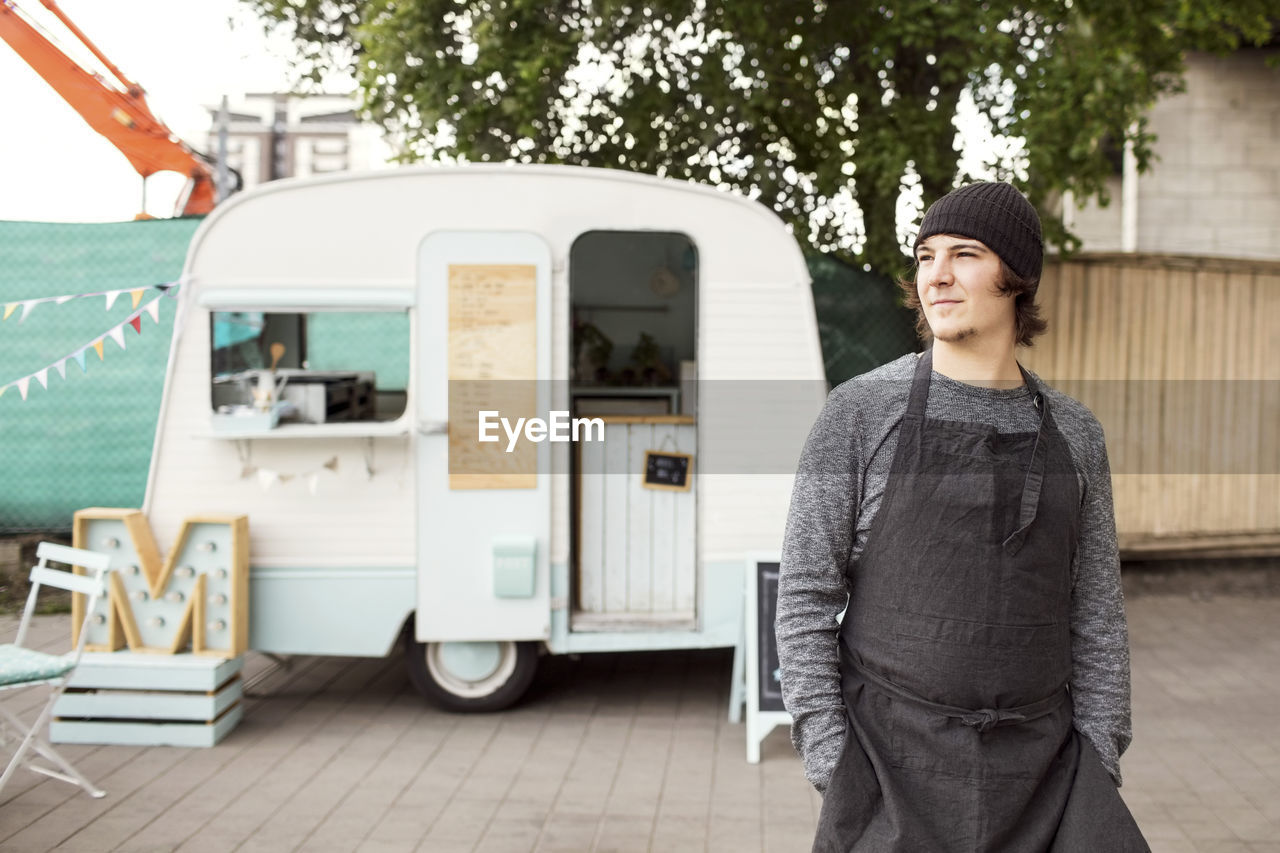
483 341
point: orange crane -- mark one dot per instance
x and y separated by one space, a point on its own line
116 110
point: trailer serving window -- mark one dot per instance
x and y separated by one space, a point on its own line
272 369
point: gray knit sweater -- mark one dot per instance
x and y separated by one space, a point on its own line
839 483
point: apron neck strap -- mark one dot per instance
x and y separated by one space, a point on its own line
1033 483
919 398
920 386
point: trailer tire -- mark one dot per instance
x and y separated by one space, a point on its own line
471 677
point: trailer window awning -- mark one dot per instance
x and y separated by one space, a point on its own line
307 298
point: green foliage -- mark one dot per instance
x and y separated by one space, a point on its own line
817 109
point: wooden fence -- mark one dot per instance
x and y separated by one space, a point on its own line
1179 357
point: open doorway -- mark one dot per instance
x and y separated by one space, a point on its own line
633 308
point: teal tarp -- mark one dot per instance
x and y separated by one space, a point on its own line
86 441
361 341
860 319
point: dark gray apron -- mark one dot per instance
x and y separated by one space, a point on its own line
955 653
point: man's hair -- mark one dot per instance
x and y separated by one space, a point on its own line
1026 313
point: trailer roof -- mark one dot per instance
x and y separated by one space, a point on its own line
363 229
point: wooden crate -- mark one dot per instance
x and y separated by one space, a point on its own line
142 699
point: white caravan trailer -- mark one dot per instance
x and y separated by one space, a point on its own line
341 339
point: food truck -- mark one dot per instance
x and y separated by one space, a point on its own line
487 413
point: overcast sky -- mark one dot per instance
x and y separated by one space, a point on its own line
186 55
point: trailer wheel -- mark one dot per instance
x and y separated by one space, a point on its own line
471 676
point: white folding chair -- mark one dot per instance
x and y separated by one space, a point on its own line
24 667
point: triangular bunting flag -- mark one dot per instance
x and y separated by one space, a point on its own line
136 322
61 367
61 299
3 388
284 478
313 483
266 478
9 309
43 378
154 310
137 295
97 347
111 298
332 464
23 383
27 308
117 335
79 357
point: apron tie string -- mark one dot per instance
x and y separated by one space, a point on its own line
983 720
988 718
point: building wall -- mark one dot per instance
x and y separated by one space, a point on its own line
1099 227
321 134
1215 187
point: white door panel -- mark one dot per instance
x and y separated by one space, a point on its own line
463 515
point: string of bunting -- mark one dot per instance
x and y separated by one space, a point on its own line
116 333
135 294
268 477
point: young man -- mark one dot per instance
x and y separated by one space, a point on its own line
975 694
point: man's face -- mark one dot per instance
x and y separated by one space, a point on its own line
957 281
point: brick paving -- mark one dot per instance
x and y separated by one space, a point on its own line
1203 773
620 752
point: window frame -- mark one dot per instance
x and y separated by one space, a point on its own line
312 301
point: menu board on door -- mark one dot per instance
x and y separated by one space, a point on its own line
493 360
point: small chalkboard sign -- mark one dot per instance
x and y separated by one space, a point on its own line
670 471
769 687
763 693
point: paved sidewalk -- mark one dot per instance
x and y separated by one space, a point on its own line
621 752
1203 773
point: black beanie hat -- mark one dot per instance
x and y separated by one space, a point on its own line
998 215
